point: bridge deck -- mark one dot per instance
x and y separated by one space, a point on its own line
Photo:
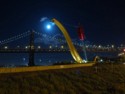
46 51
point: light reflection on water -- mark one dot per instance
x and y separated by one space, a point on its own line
45 58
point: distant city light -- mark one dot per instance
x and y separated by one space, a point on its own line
101 60
124 50
85 61
112 46
121 54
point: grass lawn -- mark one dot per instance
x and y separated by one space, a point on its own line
98 79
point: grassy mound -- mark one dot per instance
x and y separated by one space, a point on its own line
98 79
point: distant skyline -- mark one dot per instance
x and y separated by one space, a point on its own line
104 22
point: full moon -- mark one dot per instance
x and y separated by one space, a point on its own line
48 26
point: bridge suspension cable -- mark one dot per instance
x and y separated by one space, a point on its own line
25 34
50 37
54 38
11 39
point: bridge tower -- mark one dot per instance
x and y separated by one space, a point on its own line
31 50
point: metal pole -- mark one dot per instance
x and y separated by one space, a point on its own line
31 50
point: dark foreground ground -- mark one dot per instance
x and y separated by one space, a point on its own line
99 79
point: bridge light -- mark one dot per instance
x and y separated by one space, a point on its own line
99 46
6 47
26 47
62 47
50 47
39 47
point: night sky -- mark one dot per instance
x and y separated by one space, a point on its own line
103 21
